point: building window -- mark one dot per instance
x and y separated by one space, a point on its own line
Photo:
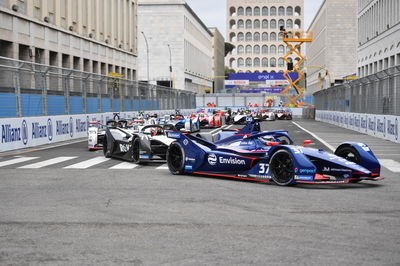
289 24
256 62
249 37
240 11
256 24
240 62
297 11
272 49
273 62
256 37
265 24
272 24
281 23
280 36
281 11
257 49
265 36
281 49
248 24
240 37
264 62
256 11
248 62
289 11
265 49
249 11
249 50
273 11
240 24
265 11
240 49
281 62
273 36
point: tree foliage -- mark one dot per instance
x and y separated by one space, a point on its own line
228 48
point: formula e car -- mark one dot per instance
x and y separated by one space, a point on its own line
149 144
269 156
210 121
97 132
283 114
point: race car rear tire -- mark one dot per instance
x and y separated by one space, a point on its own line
282 168
176 159
106 152
136 150
350 154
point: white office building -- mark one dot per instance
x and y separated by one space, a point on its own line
253 26
91 36
171 34
378 35
332 55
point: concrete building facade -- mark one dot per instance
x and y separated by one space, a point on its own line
172 24
379 36
218 68
253 26
332 54
87 35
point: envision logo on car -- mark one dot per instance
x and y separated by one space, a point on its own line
212 159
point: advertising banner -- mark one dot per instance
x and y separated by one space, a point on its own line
19 133
381 126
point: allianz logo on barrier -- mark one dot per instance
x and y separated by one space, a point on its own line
13 134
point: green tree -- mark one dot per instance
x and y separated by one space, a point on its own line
228 48
229 71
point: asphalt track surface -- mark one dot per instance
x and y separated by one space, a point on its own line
145 216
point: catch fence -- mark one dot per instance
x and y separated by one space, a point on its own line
30 89
374 94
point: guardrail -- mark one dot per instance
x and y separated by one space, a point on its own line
381 126
19 133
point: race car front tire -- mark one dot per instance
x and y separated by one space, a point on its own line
350 154
106 152
282 168
176 159
136 150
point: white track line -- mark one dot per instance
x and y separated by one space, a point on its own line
316 137
391 165
17 160
124 166
163 167
88 163
218 129
48 162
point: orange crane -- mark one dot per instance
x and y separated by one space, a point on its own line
294 40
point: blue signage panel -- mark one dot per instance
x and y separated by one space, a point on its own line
261 76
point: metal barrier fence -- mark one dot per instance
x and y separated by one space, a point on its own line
375 94
30 89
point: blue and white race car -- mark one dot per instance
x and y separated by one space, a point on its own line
270 156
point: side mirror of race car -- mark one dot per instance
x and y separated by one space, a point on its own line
307 142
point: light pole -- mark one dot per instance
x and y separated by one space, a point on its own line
147 48
170 66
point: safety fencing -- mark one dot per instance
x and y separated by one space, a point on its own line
222 100
381 126
30 89
19 133
374 94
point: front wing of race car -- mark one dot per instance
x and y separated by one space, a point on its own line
192 155
95 138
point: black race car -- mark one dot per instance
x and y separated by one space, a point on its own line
149 144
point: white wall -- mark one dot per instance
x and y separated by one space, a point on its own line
381 126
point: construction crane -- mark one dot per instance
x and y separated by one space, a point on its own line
294 40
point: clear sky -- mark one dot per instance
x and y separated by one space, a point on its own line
213 12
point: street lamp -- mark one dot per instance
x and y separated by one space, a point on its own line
170 66
147 48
